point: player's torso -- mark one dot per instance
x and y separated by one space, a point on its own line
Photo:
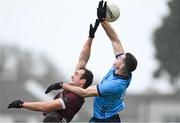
72 102
108 105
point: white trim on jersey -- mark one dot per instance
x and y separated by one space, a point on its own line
62 103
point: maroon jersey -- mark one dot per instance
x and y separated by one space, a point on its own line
73 103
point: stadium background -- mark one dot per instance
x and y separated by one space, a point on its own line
40 41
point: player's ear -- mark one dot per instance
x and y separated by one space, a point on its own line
122 66
83 81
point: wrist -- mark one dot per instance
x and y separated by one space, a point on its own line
91 37
104 21
64 86
21 104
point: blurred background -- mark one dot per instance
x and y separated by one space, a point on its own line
40 42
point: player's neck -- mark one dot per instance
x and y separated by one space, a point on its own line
121 72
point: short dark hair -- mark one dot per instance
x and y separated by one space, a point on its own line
130 62
88 75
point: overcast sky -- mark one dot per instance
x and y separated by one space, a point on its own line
58 29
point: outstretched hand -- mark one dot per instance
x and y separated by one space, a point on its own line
54 86
92 29
101 11
15 104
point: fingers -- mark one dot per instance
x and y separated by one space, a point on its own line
91 26
15 104
54 86
47 90
96 23
93 29
100 4
9 106
101 11
105 5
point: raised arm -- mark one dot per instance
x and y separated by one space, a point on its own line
116 44
101 14
86 50
85 54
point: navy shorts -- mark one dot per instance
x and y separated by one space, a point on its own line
113 119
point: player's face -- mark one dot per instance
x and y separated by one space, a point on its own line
76 77
119 62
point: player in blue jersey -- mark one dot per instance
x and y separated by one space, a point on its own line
110 92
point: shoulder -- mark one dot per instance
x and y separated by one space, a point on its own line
72 96
111 70
72 100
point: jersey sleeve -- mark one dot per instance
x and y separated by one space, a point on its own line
70 100
108 88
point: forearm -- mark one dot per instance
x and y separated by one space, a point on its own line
35 106
77 90
43 106
85 54
117 46
109 31
88 92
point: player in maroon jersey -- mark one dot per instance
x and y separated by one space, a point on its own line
71 105
66 104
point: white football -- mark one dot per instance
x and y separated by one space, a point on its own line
112 12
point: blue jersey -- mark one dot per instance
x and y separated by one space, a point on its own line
111 89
